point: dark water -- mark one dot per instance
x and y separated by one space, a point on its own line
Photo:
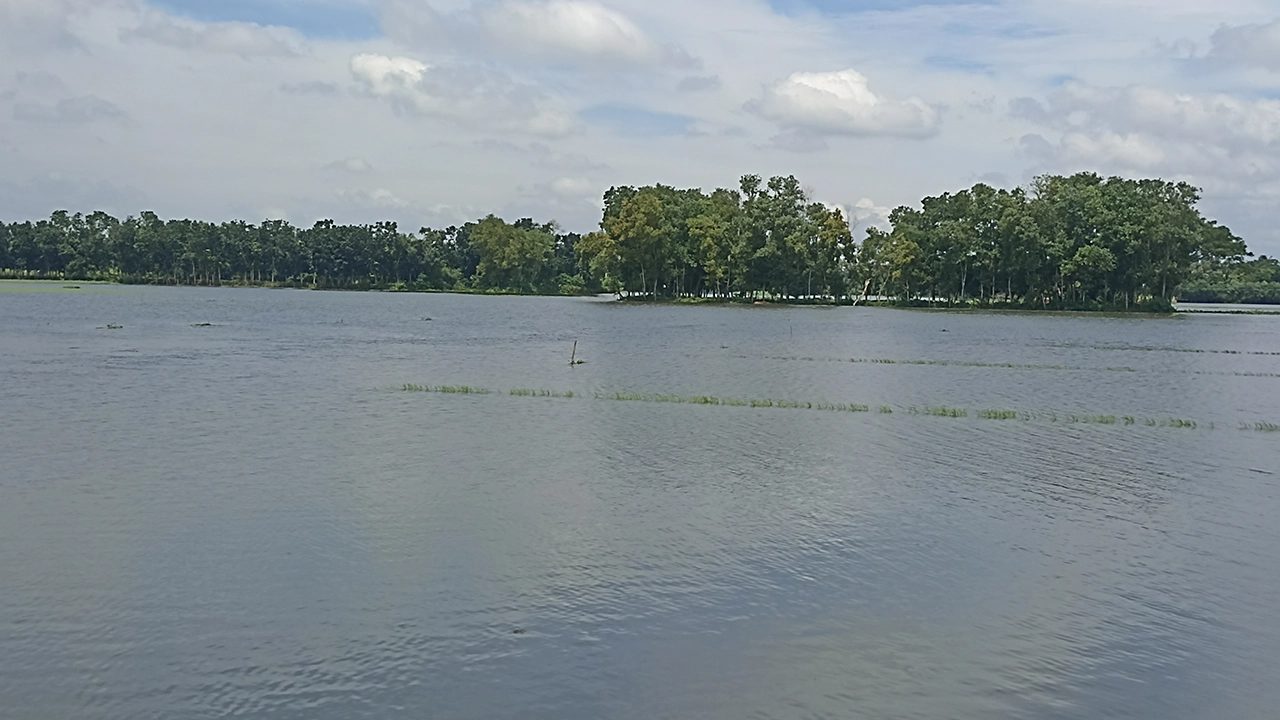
251 519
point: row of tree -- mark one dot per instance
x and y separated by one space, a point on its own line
1078 241
489 254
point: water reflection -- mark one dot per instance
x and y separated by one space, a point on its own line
250 520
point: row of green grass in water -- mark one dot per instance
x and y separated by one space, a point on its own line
932 411
733 402
447 389
1018 366
542 393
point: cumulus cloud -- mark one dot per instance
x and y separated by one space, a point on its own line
1227 145
573 187
464 94
70 111
573 32
560 30
866 213
1217 120
1255 45
376 199
237 38
842 103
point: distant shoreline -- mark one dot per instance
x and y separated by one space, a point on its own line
1226 308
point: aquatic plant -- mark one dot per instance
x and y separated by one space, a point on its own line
542 393
447 389
927 410
1093 419
842 407
941 411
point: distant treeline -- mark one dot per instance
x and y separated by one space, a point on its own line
1065 242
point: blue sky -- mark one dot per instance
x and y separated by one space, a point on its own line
435 112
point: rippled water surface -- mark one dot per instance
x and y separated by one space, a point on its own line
252 518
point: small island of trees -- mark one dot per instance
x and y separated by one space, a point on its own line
1077 242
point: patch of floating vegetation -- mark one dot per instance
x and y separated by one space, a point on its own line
942 411
949 363
1023 366
1153 348
1094 419
927 410
447 389
542 393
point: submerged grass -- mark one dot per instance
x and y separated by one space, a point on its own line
1026 366
542 393
926 410
447 389
941 411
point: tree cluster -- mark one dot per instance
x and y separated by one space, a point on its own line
1064 242
764 239
1253 281
489 254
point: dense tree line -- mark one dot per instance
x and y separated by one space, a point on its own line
1078 241
1254 281
489 254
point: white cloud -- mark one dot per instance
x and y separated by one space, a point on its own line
573 187
1227 145
1253 44
866 213
471 95
237 38
376 199
579 33
475 83
560 30
842 103
1127 120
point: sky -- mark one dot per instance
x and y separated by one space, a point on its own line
436 112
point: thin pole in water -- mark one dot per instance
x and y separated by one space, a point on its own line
574 356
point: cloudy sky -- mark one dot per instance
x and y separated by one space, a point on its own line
440 111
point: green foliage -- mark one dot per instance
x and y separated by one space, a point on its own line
942 411
765 403
1078 242
542 393
511 256
447 389
488 255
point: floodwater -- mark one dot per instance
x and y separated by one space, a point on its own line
252 519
